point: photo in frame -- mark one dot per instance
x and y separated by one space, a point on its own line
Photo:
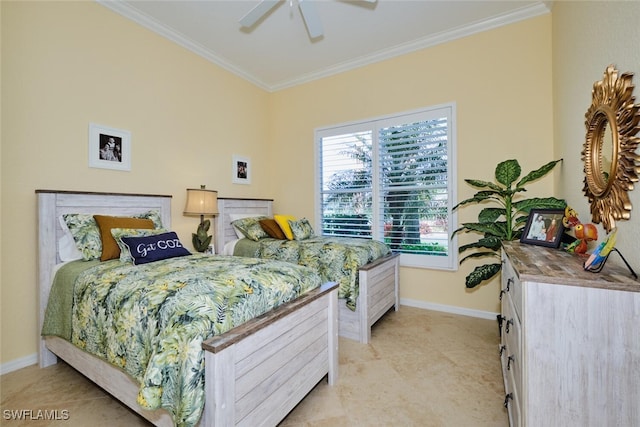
109 148
241 169
544 228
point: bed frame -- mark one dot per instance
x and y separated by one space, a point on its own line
255 374
378 281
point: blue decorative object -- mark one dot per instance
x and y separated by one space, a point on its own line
148 249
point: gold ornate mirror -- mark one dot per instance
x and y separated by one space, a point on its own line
610 163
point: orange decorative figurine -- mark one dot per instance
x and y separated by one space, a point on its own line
584 233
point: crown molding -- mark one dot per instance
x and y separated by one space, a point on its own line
419 44
446 36
146 21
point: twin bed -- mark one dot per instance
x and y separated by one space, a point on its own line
255 372
377 281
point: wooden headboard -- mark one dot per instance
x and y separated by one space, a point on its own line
52 204
224 232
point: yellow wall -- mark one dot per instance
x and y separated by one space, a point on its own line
65 64
587 37
501 83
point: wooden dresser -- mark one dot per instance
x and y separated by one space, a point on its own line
570 340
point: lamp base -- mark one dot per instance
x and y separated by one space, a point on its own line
200 239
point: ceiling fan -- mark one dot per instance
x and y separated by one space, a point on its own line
307 9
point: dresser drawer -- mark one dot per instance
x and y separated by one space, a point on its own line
511 286
511 339
512 396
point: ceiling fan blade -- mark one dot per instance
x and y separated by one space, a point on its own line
311 18
258 12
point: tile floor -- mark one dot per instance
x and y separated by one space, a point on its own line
423 368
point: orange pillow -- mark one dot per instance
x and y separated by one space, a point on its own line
271 227
283 222
110 248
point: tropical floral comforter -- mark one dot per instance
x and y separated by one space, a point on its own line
337 259
150 320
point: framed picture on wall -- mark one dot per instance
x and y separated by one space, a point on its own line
109 148
241 169
544 228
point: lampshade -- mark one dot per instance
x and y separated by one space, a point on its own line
201 202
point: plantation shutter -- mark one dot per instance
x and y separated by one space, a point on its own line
414 182
392 179
347 184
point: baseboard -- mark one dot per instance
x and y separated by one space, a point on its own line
449 309
16 364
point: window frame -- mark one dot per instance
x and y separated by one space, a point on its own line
449 262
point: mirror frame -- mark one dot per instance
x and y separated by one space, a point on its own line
612 105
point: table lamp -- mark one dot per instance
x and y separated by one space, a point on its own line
201 202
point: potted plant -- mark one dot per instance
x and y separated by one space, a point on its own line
504 220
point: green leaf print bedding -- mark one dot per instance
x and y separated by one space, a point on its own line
150 320
337 259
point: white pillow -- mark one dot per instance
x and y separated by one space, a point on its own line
233 217
229 247
67 249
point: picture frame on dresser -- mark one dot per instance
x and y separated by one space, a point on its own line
544 228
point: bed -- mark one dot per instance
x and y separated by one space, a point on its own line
377 280
247 379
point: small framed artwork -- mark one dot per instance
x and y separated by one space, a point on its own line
109 148
544 228
241 169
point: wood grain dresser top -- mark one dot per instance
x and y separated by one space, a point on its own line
547 265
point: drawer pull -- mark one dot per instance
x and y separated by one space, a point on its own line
509 322
505 290
502 349
501 319
509 360
507 398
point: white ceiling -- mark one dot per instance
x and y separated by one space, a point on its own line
277 52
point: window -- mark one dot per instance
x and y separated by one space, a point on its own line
392 179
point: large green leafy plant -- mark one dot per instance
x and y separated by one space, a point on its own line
504 220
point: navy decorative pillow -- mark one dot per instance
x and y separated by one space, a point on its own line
148 249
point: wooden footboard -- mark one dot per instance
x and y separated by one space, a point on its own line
378 286
267 366
255 374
